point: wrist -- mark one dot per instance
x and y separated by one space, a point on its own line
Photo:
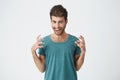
83 51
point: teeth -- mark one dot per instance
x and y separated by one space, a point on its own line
57 29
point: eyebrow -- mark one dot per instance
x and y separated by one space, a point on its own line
56 21
53 21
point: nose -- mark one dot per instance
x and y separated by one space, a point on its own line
57 25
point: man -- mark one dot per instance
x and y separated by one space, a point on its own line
60 54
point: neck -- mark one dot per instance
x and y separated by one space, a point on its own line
61 35
59 38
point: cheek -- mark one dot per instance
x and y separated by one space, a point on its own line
52 25
63 25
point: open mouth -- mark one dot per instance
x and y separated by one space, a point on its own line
57 29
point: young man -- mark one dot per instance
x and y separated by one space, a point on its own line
60 54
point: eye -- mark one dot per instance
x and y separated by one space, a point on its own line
54 21
60 21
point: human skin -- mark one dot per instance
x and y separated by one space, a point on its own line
59 35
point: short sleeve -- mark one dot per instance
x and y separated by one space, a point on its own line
41 51
77 50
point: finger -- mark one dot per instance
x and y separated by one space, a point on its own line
81 38
40 47
38 38
39 43
77 43
41 39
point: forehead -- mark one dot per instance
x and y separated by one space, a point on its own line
57 18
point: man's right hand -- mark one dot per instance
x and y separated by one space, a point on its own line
39 60
36 45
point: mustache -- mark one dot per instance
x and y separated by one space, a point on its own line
57 28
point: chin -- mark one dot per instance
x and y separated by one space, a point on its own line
58 33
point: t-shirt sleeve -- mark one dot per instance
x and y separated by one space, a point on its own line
41 51
77 50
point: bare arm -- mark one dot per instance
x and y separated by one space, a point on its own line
39 60
79 59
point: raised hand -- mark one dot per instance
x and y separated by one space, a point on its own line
38 59
37 44
81 43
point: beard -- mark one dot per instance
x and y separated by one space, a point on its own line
59 31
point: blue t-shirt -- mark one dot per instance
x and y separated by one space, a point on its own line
60 64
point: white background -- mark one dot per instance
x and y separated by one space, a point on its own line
97 20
